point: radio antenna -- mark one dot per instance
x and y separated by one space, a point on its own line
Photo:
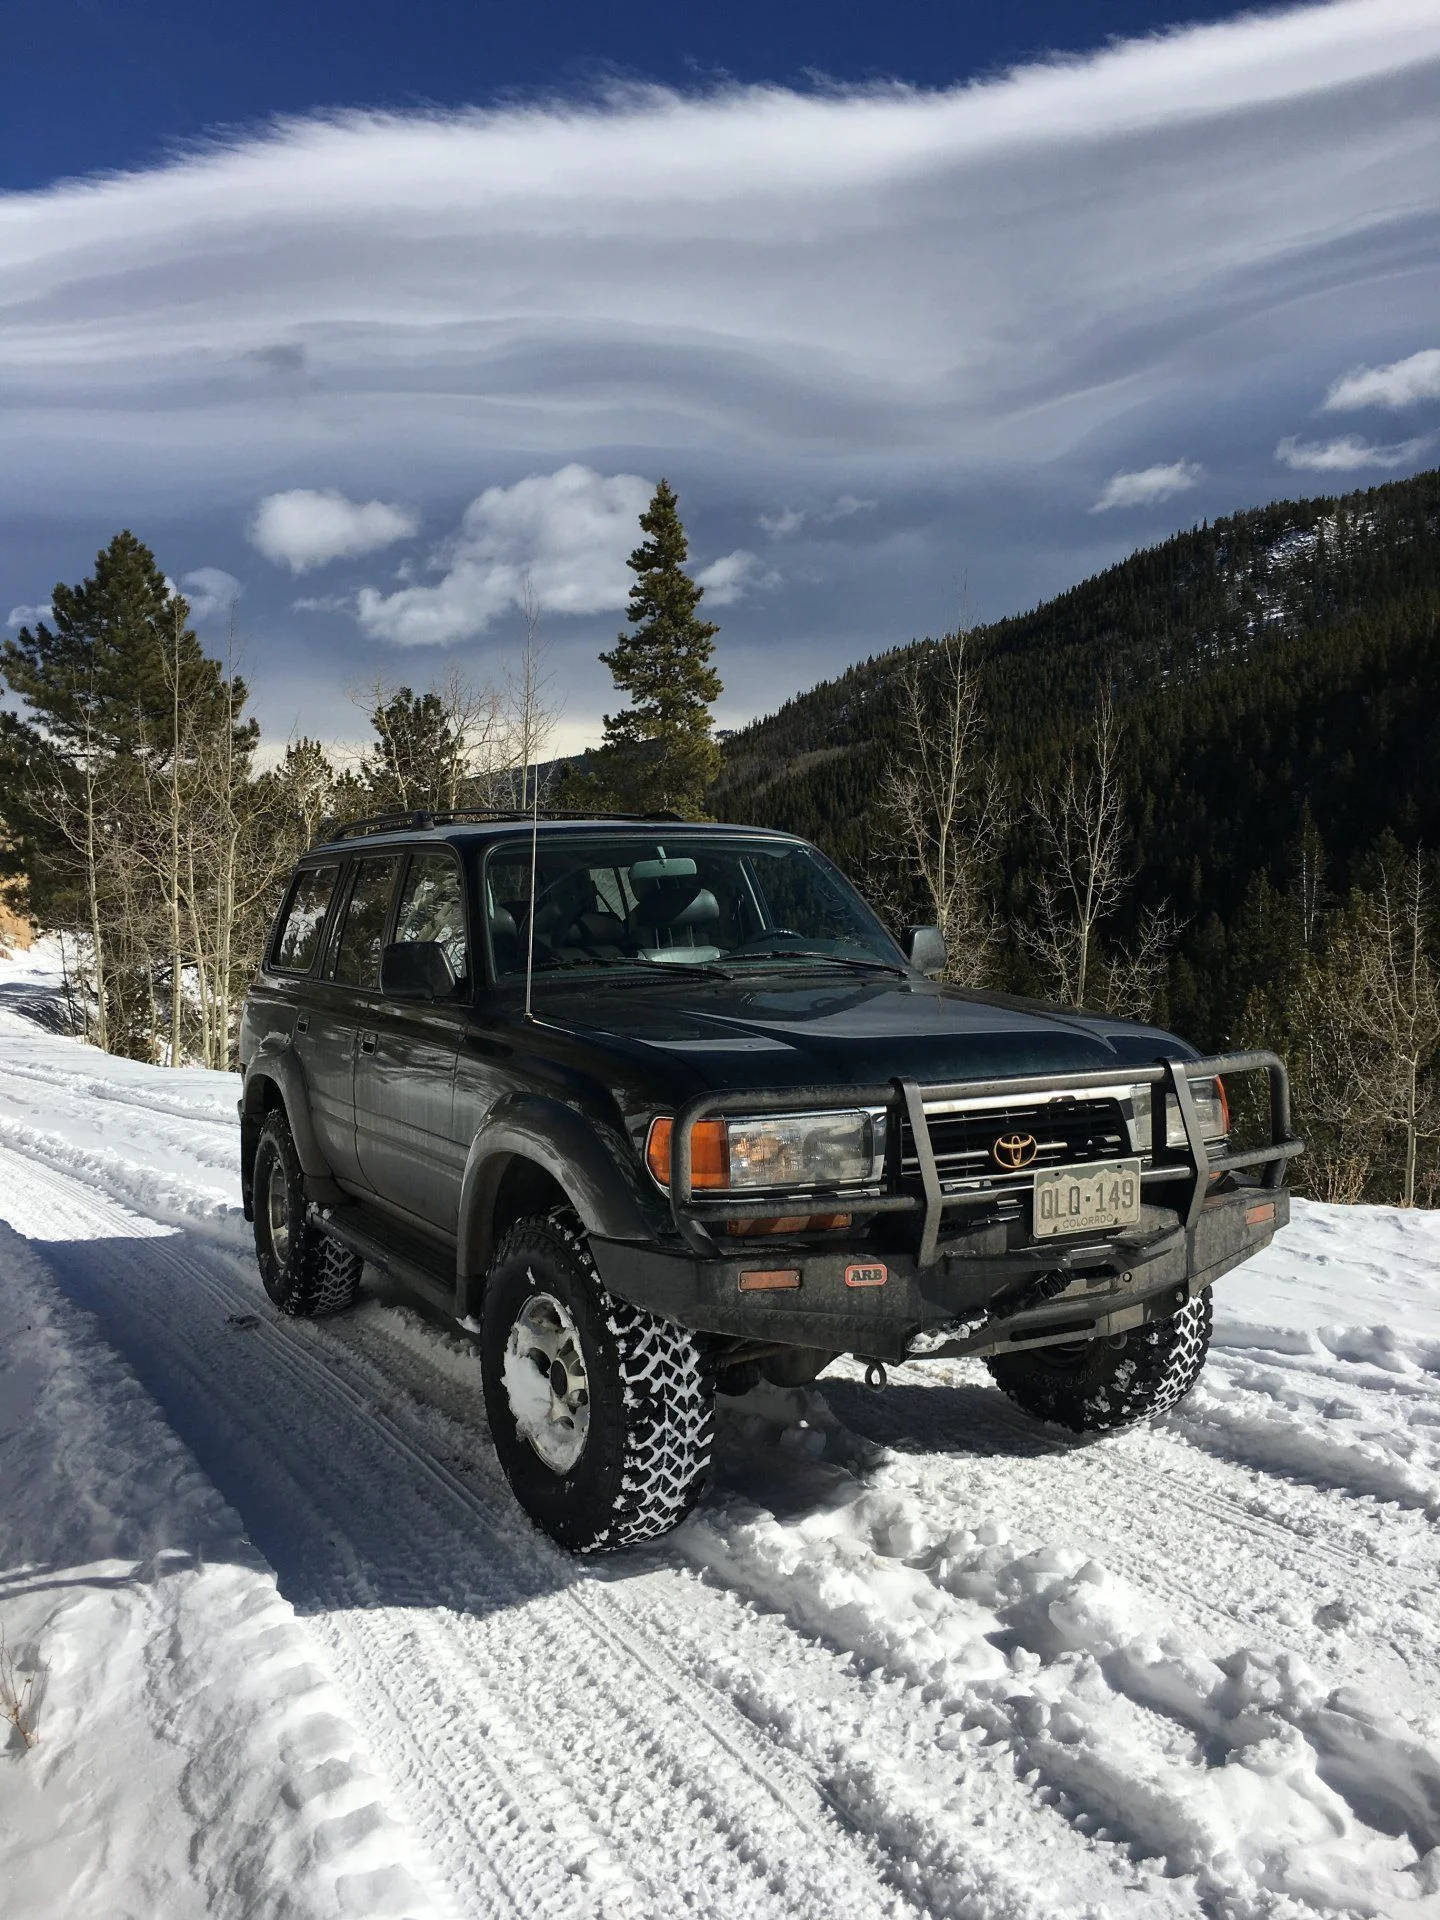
534 861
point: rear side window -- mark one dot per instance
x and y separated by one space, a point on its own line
432 907
298 940
357 961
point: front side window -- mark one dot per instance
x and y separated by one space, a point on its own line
357 959
432 907
298 939
628 900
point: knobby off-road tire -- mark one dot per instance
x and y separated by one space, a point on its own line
305 1272
1094 1386
619 1450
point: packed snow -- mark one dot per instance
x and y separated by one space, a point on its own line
294 1651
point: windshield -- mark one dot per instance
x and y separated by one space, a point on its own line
638 900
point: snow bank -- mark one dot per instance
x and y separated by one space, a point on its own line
191 1756
163 1142
1340 1267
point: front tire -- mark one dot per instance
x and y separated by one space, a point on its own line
1096 1386
602 1415
304 1271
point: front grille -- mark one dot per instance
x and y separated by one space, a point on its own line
1067 1133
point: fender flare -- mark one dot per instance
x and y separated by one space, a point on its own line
281 1066
594 1167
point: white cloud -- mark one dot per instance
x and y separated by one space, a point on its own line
29 616
324 603
1148 486
1400 384
790 520
845 506
781 525
209 591
1348 454
729 578
566 535
303 529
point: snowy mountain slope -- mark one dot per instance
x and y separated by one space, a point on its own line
912 1655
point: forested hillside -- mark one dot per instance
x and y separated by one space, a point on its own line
1277 676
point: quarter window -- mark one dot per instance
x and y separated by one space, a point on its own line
357 961
298 940
432 907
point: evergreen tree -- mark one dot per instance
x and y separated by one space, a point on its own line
420 755
120 785
658 754
102 674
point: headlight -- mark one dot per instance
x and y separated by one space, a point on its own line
1211 1108
790 1150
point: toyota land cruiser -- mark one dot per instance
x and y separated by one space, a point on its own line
647 1107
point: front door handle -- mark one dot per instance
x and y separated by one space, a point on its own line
302 1023
369 1042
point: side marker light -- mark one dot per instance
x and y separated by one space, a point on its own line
769 1279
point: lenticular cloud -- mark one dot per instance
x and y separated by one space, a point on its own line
778 298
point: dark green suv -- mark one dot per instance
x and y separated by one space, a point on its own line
648 1107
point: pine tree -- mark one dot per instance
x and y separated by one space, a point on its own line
658 754
131 732
419 759
102 673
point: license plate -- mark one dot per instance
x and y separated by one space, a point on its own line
1082 1199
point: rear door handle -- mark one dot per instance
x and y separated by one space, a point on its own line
302 1023
369 1042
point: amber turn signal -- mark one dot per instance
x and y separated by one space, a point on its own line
790 1223
709 1152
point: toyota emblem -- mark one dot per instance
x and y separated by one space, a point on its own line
1015 1150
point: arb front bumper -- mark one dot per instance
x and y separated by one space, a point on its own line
985 1287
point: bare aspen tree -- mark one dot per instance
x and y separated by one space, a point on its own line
530 710
1084 876
72 797
944 800
172 874
1083 836
91 846
1397 1011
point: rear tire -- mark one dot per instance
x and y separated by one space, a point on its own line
602 1415
1095 1386
305 1272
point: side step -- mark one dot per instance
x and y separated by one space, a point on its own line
399 1255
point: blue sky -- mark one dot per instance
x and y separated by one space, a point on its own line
372 319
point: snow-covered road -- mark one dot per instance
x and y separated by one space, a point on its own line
912 1655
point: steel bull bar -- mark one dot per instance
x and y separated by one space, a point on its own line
1169 1080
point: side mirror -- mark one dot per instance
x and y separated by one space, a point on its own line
416 970
925 950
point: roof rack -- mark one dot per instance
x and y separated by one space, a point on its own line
420 820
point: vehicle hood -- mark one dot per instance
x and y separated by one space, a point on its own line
838 1031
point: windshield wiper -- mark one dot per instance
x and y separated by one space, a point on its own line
676 967
832 959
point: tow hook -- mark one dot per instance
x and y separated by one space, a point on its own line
875 1377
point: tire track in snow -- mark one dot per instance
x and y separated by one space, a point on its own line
958 1831
85 1089
616 1793
1221 1540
